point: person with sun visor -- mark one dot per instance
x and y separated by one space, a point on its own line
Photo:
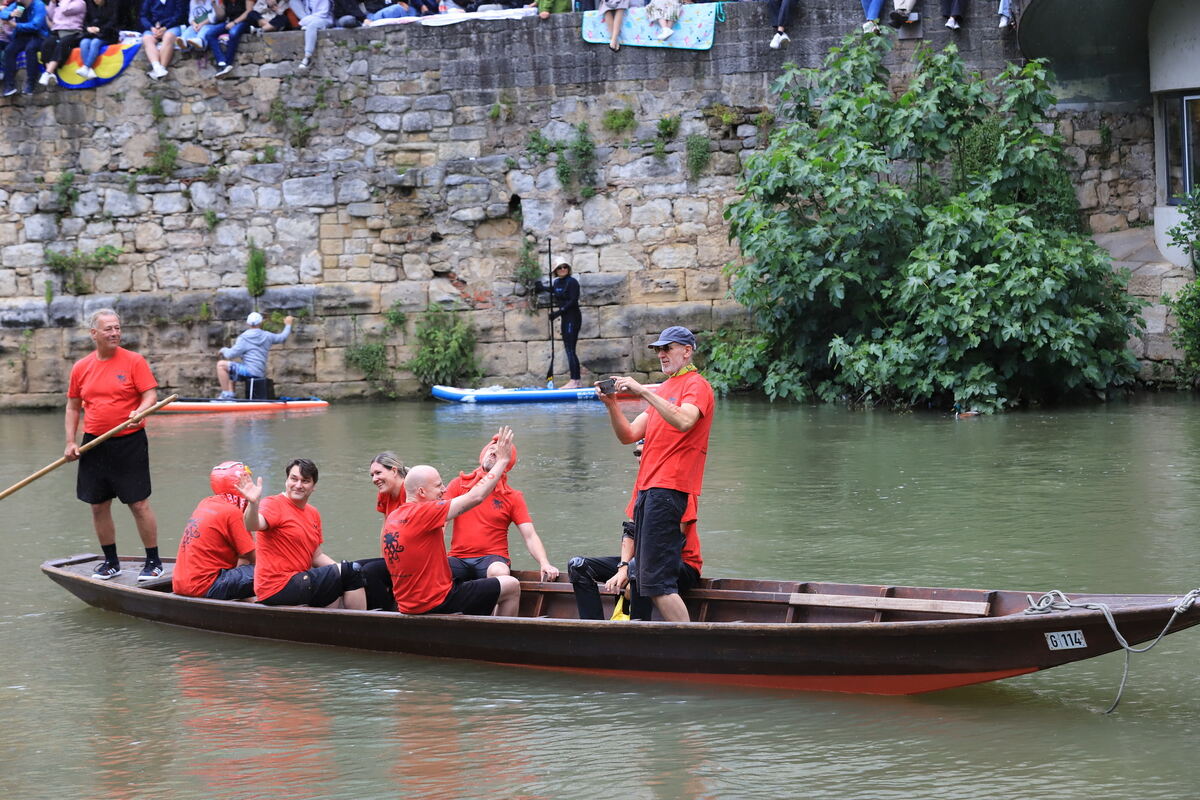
216 552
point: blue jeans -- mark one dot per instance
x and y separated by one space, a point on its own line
393 12
90 50
872 8
226 54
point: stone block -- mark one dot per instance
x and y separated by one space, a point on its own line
120 203
602 357
654 212
348 298
170 203
353 190
21 255
148 236
601 213
502 358
707 284
658 286
41 227
674 256
315 191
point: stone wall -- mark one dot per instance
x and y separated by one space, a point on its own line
397 173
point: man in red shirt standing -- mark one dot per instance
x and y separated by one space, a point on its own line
671 474
290 568
216 552
414 545
107 387
479 539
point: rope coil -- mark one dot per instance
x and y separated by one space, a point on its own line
1055 600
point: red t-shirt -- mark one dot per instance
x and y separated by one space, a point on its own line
213 538
415 551
386 504
286 546
671 458
110 389
483 531
691 536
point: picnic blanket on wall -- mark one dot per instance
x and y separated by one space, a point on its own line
694 30
115 59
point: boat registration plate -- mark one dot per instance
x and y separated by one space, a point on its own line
1066 640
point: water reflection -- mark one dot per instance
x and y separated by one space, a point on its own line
99 705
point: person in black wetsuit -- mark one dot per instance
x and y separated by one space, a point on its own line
565 297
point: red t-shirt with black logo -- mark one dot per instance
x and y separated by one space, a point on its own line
110 389
483 531
286 546
414 547
671 458
214 537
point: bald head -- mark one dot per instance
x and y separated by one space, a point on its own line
423 483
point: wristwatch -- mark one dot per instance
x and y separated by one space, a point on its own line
622 564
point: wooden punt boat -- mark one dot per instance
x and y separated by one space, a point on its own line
777 634
208 405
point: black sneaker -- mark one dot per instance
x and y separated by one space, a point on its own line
105 571
150 572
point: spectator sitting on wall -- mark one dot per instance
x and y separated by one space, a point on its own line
348 13
26 24
393 11
901 11
871 11
547 7
952 10
666 14
162 22
99 31
202 15
272 15
315 15
1005 12
65 18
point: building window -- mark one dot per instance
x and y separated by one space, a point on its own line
1181 122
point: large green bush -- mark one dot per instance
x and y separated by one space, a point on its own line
921 246
445 349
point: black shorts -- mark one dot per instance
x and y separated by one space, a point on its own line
658 515
318 587
470 569
118 467
470 597
233 584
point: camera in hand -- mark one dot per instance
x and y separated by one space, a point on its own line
607 386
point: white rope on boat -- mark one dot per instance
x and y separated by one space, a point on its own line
1055 600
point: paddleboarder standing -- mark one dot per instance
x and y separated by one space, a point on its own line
564 297
675 428
107 387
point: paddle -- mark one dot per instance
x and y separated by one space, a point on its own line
103 437
550 321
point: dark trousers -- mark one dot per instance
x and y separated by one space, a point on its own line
953 8
781 10
586 573
58 45
29 44
378 583
570 335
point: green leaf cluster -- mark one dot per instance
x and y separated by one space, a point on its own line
71 266
619 120
256 271
919 247
445 349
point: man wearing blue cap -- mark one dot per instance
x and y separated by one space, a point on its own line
252 348
676 427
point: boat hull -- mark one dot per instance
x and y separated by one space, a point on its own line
198 405
454 394
907 657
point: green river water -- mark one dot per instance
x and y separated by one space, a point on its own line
97 705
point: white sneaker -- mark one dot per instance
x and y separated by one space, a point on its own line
664 34
776 41
159 71
45 79
224 70
952 24
870 26
1004 23
303 65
